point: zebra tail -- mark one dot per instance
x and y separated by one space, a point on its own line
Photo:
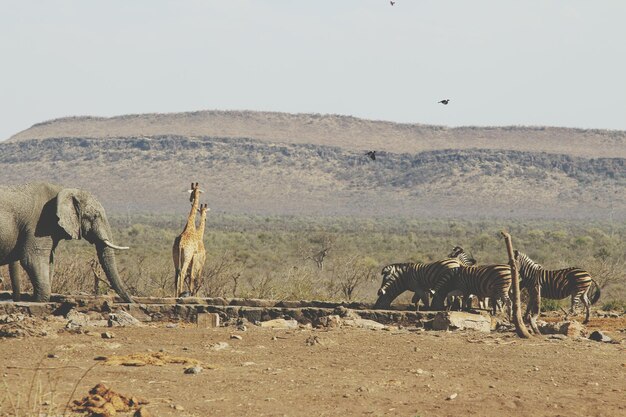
596 295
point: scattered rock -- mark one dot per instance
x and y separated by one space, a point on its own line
142 359
572 328
346 313
142 412
219 346
312 340
569 328
76 319
236 336
122 319
107 335
20 325
330 321
458 320
177 407
452 396
557 337
248 364
598 336
208 320
105 402
52 356
193 370
171 325
280 324
363 324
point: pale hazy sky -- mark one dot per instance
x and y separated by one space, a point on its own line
502 62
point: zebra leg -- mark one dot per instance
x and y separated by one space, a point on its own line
587 305
535 310
573 303
450 296
416 301
509 307
420 295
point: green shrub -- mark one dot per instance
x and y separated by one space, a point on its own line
551 305
614 305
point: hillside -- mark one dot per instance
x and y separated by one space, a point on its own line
347 132
244 175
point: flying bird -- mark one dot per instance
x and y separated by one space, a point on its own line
444 102
372 155
392 2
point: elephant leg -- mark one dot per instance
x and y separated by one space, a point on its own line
14 273
38 269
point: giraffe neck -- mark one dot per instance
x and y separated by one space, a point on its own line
202 224
191 219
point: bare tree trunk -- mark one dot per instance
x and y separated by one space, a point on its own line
520 327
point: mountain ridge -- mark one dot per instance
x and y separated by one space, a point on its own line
348 132
248 175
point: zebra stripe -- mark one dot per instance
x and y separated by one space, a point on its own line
493 281
467 260
463 257
555 284
421 278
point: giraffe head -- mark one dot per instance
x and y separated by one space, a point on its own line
203 210
194 192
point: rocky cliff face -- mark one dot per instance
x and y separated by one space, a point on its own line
242 175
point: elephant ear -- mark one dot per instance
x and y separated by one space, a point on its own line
68 212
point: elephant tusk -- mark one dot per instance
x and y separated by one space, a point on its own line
111 245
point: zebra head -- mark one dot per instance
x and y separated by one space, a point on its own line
456 251
463 257
527 267
390 287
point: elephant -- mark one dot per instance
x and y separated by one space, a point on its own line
35 217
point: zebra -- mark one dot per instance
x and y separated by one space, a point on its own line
493 281
421 278
554 284
467 260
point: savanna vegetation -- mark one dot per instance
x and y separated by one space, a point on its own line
275 257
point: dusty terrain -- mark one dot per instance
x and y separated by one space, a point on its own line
343 371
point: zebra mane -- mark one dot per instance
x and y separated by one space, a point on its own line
401 267
460 254
527 264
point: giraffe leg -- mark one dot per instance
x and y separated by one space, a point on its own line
182 277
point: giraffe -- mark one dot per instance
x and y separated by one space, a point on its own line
199 257
184 244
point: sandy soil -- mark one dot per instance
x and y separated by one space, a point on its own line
342 371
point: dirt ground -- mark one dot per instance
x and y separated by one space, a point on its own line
343 371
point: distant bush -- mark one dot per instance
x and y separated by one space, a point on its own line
551 305
614 305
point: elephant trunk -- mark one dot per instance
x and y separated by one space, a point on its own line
106 256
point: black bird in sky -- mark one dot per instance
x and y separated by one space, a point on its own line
445 102
392 2
372 155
